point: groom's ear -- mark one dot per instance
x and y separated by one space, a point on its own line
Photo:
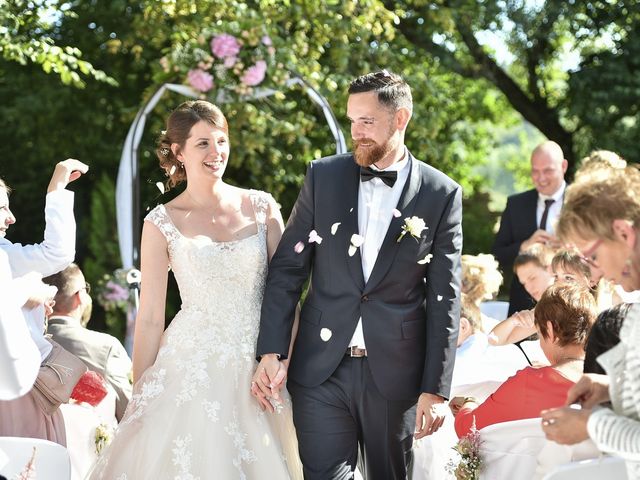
402 117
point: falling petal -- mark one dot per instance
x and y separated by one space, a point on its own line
352 250
160 186
299 247
334 228
439 297
426 259
357 240
314 237
173 170
351 210
325 334
396 213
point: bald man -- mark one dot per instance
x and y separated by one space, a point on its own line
529 217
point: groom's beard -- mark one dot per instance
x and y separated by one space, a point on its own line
367 156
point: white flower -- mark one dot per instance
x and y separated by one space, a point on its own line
314 237
413 226
426 259
334 228
325 334
356 242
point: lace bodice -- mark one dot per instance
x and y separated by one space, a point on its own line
223 281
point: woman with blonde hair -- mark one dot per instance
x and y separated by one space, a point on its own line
481 280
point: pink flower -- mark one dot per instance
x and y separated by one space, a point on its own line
266 40
230 62
254 75
200 80
225 45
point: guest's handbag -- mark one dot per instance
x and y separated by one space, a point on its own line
57 377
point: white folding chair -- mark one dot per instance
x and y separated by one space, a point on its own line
51 460
611 468
510 449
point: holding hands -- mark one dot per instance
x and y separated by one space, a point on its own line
267 381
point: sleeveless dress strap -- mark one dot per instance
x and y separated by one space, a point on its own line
260 203
160 218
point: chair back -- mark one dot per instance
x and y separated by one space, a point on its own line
51 459
510 449
594 469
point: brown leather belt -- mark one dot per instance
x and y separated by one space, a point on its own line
356 352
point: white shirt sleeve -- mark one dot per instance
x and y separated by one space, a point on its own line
19 356
57 250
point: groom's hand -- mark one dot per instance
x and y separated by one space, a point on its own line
267 381
429 416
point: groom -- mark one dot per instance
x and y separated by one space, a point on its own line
376 341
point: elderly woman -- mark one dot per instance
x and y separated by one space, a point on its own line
601 216
563 317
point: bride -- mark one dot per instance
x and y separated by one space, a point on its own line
191 415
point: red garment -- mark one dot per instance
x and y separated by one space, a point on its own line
522 396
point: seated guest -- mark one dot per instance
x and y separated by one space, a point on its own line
101 352
563 317
481 280
605 334
479 367
533 270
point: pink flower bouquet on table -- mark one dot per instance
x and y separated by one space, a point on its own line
231 63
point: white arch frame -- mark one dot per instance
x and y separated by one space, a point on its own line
128 181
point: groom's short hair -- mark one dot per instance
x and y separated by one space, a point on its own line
392 90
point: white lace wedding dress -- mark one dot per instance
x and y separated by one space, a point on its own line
192 416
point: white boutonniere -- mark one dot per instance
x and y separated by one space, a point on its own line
413 226
104 435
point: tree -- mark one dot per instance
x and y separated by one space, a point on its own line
26 29
540 36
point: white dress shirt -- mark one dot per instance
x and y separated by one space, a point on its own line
55 253
19 356
376 202
554 209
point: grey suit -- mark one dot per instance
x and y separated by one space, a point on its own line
101 353
409 313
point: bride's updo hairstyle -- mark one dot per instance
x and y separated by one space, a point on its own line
179 125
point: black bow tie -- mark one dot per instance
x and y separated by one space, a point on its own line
388 177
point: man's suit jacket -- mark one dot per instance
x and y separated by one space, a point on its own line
517 224
410 311
101 353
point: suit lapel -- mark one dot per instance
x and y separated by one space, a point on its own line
406 206
350 189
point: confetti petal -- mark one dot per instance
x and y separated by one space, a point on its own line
439 297
357 240
396 213
298 247
334 228
160 186
352 250
173 170
314 237
351 210
426 259
325 334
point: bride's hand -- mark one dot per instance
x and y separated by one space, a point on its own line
268 380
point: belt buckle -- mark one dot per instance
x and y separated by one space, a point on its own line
356 352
